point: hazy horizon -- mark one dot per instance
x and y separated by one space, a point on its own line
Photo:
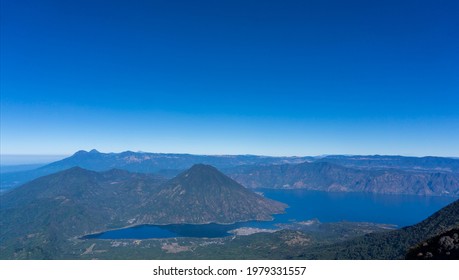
26 159
29 159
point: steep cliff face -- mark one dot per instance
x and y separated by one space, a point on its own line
326 176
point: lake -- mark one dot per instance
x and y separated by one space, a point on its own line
400 210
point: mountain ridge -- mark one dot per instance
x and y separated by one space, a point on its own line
138 162
203 186
50 211
379 174
390 245
326 176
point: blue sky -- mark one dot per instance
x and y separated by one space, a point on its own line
230 77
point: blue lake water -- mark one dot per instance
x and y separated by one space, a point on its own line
400 210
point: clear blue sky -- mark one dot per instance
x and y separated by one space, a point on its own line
230 77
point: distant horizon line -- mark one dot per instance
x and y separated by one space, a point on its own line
210 154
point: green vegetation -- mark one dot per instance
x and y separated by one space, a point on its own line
39 219
44 219
203 194
444 246
388 245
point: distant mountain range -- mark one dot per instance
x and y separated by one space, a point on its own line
169 164
325 176
40 216
378 174
419 164
45 218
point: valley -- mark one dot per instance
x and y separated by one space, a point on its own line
253 208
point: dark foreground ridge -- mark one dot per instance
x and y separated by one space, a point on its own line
392 244
443 246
